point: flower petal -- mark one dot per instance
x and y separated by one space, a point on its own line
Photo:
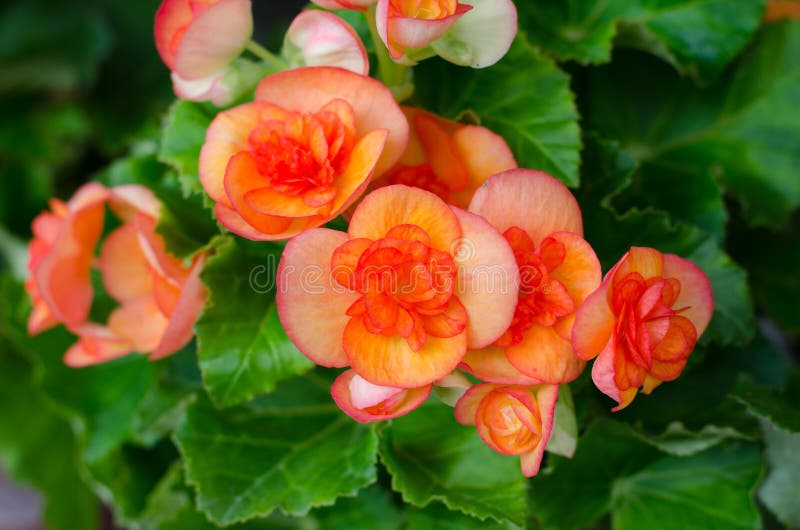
186 312
481 37
311 304
546 397
323 39
96 344
696 293
467 406
545 356
124 268
488 279
490 364
594 324
343 396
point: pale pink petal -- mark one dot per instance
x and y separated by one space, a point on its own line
546 396
481 37
364 394
317 38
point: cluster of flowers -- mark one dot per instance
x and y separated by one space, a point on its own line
455 260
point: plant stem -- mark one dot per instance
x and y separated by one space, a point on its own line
391 73
272 60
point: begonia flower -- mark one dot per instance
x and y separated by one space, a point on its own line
643 322
447 158
159 297
512 420
301 153
395 298
199 38
366 402
541 220
318 38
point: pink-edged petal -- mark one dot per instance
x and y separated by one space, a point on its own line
546 397
484 154
644 260
490 364
364 394
387 207
467 406
230 219
155 251
531 200
214 39
580 272
139 322
125 271
311 304
190 304
318 38
171 17
594 325
40 319
488 279
210 88
96 344
129 199
481 37
603 372
544 355
308 89
408 32
397 404
345 4
696 292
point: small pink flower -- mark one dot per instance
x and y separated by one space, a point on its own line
317 38
199 38
367 402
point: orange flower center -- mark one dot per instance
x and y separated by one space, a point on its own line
406 286
424 9
542 299
421 176
302 154
514 426
649 333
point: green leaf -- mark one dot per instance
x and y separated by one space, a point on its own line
608 171
707 491
524 98
436 516
677 440
732 136
697 37
37 447
291 450
778 408
778 492
372 509
564 437
183 135
433 458
242 347
578 492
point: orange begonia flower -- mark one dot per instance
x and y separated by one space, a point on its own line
159 297
448 158
404 24
782 9
197 39
365 402
301 153
643 322
402 295
541 220
512 420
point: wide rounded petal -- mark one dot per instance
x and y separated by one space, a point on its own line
140 322
172 15
488 279
310 88
214 39
531 200
387 207
490 364
696 292
186 312
594 325
125 271
96 344
467 406
311 305
129 199
484 154
545 356
644 260
390 361
580 272
546 397
481 37
343 395
323 39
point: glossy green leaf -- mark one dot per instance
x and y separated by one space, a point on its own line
292 450
692 143
37 447
433 458
372 508
710 490
697 38
242 347
183 135
778 492
436 516
577 492
677 440
779 408
525 98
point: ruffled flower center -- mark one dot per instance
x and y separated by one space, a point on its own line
513 426
301 155
406 286
542 299
424 9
